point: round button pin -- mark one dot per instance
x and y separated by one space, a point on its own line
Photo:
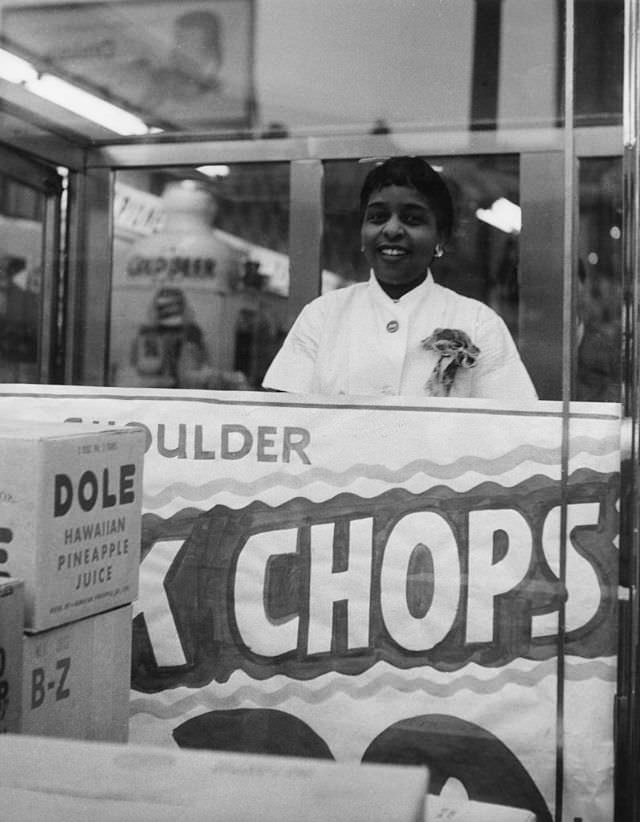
393 326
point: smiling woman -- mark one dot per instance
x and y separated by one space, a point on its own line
406 217
377 337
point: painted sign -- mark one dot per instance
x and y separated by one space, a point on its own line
377 583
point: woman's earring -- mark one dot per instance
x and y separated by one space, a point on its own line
439 251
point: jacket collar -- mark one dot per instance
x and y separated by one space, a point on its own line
412 297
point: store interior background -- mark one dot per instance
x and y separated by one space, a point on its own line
481 84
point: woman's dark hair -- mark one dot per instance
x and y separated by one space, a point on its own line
416 173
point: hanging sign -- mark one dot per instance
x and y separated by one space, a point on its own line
376 583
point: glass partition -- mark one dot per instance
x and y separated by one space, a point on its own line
202 284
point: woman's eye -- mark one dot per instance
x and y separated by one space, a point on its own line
414 219
376 217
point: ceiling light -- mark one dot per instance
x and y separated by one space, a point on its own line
15 69
52 88
87 105
214 171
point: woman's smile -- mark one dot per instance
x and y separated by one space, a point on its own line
392 251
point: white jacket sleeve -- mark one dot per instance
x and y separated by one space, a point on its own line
293 367
500 373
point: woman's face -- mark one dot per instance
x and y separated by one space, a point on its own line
399 234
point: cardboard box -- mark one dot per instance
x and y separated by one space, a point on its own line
77 678
63 781
11 627
70 517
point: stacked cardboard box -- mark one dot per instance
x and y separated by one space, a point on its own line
70 502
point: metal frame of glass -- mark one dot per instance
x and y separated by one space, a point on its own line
628 718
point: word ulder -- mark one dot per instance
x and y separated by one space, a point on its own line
262 443
438 578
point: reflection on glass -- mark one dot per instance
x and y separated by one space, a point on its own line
599 282
180 66
481 259
212 66
201 276
21 235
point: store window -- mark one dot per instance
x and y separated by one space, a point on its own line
203 273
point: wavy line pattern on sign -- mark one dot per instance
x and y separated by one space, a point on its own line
341 479
357 689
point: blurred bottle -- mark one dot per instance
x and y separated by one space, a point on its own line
187 251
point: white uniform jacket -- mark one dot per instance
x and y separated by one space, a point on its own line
357 340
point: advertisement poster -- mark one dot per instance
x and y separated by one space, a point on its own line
376 583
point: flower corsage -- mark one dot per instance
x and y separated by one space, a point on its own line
455 350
